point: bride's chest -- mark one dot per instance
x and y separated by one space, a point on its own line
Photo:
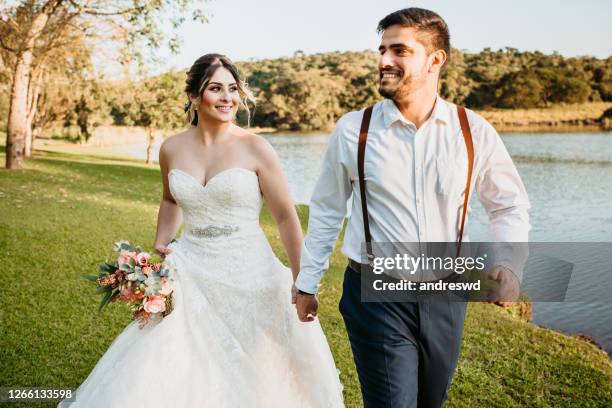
231 191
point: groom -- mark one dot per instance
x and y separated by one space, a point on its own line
415 183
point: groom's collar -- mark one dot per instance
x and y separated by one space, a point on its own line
391 113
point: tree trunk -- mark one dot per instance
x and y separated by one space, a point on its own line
150 141
41 118
16 128
27 146
32 106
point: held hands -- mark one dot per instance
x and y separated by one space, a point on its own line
306 305
508 290
293 294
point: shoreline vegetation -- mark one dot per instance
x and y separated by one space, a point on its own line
588 116
591 116
584 117
515 90
64 204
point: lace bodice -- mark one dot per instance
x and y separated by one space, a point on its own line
230 202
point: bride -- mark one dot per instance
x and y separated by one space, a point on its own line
233 338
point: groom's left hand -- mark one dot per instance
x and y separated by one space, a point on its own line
509 287
307 307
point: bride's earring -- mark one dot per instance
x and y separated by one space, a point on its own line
193 110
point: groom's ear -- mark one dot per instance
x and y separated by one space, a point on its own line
437 59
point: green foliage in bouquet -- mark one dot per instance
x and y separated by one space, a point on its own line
138 278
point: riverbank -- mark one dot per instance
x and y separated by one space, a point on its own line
571 118
584 117
62 213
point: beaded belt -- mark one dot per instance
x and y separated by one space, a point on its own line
213 231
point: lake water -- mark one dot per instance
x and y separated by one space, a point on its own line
568 177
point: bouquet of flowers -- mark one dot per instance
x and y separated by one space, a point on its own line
139 279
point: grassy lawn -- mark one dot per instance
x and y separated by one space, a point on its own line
60 217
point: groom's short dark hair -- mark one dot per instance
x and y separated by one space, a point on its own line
430 24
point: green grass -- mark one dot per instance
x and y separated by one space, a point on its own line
60 217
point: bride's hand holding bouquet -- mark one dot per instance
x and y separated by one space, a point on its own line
139 279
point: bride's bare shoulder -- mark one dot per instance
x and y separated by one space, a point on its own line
260 150
258 145
172 144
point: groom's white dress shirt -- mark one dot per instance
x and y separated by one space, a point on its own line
415 180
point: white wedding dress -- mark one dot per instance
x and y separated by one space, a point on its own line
233 338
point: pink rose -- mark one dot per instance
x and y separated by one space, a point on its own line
125 256
155 304
147 270
166 288
142 258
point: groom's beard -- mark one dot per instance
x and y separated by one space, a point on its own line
397 91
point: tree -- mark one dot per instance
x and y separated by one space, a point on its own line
82 113
154 103
455 85
305 100
30 30
520 90
158 107
52 88
602 78
310 92
541 87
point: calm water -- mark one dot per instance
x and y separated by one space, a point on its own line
568 177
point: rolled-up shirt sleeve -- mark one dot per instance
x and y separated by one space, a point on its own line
504 197
326 215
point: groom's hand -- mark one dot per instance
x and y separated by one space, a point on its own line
509 287
307 306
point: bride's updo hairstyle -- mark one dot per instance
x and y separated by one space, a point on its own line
199 76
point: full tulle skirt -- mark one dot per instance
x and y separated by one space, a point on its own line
232 340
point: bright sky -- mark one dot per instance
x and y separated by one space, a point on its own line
244 29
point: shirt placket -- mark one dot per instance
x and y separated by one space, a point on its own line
419 192
419 185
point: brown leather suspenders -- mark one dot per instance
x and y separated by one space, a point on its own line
469 145
363 137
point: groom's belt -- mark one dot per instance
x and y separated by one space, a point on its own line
356 266
359 267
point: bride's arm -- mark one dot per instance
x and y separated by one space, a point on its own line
275 191
169 216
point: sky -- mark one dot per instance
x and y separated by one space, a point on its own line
256 29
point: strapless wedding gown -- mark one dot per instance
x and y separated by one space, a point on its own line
233 338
